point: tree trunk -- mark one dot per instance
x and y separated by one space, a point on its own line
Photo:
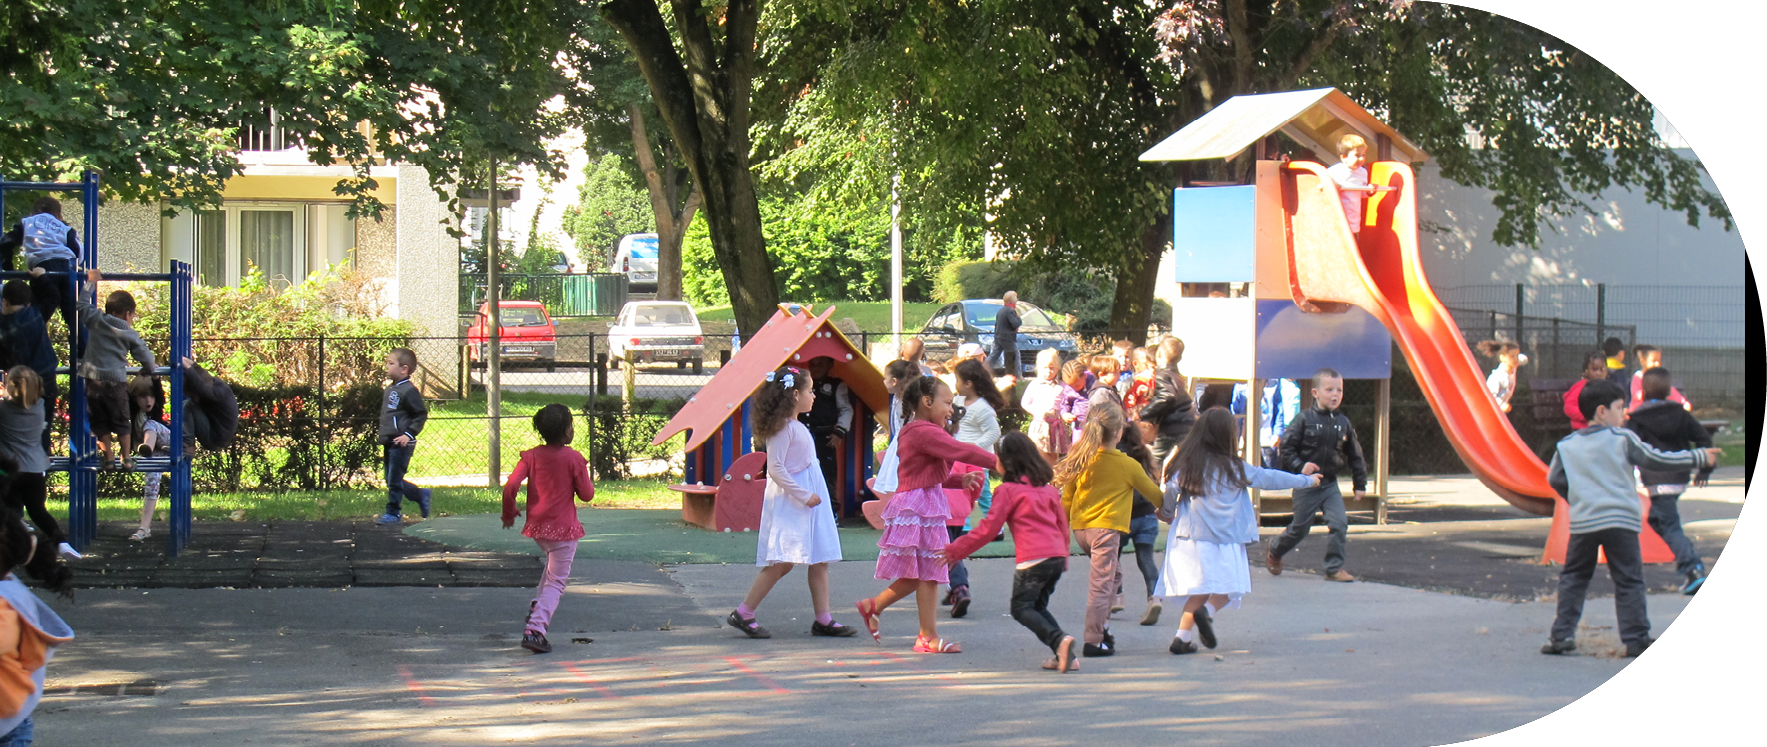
704 101
671 220
1132 307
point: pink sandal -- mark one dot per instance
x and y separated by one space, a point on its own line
868 613
924 646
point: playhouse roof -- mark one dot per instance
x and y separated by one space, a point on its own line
1315 118
786 338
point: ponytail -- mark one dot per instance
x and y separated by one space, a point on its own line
1104 426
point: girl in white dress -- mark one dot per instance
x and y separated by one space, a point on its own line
793 528
1212 521
1501 382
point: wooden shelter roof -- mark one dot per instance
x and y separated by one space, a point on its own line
1315 118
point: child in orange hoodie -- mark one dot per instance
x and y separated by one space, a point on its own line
29 634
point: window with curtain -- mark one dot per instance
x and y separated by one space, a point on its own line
211 247
267 242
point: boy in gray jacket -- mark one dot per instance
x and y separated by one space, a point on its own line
111 339
1593 471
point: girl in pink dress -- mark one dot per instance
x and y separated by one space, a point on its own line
914 520
555 474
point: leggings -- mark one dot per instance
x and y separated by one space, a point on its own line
28 491
559 554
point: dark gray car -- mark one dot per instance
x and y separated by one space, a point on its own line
973 321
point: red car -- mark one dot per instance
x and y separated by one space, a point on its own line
525 334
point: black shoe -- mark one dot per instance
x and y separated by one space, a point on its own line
1564 646
1099 649
1205 627
950 597
748 627
1110 640
1181 646
535 641
831 630
960 601
1637 647
1695 579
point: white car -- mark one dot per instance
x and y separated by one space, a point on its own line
637 260
657 332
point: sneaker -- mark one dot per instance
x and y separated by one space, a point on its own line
748 626
832 630
1695 579
1152 615
536 642
1340 576
1272 563
1099 649
1635 648
388 519
1110 640
950 597
1205 627
960 601
1563 646
423 501
1181 646
141 534
68 551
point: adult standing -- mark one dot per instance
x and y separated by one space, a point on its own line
1169 410
1006 326
914 351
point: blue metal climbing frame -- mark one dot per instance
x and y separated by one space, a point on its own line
81 463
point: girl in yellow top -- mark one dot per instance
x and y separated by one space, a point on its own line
1098 486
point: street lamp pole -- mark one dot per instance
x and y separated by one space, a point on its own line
895 261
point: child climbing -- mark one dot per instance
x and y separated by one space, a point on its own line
915 516
1212 520
1501 382
555 474
105 368
1098 484
1031 507
156 441
795 528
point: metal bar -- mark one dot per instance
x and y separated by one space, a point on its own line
1383 445
181 323
78 186
141 277
1520 300
1600 313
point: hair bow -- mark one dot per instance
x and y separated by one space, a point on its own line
790 382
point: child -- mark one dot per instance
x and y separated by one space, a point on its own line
1169 410
915 517
1617 370
21 438
1028 504
1593 472
1042 399
1106 372
1668 426
1140 382
978 426
27 337
1350 173
829 418
1594 369
555 473
112 340
156 441
1212 521
49 245
1120 353
29 633
1650 357
1097 484
896 377
1144 528
1071 404
793 530
1320 439
1501 382
1280 401
402 415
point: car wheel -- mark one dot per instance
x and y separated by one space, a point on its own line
680 365
699 366
551 366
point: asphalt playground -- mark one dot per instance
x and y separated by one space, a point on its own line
1438 644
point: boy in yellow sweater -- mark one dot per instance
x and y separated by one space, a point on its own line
1098 486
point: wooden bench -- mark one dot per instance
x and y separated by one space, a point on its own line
731 505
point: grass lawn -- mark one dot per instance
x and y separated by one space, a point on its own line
452 446
871 316
359 504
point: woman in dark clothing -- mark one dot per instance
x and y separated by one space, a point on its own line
1169 410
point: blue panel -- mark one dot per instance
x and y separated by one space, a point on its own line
1214 234
1292 343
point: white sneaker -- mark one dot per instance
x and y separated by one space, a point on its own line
68 551
141 534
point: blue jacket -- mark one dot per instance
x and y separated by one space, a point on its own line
24 332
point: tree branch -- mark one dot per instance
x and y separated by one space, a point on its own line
644 31
1318 46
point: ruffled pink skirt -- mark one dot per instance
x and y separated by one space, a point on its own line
914 529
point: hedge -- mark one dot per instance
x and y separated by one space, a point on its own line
621 431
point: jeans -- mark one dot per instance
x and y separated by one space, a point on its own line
1102 545
1142 532
399 488
1625 565
49 292
1007 358
1308 503
1665 520
1031 588
959 574
22 735
559 554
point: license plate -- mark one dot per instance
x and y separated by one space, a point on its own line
518 351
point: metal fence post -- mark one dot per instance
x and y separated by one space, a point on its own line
324 424
1600 313
1520 300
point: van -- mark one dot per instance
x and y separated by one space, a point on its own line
637 259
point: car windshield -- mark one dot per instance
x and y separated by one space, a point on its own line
527 317
669 315
644 249
982 315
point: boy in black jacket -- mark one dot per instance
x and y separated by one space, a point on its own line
1312 443
402 415
1668 426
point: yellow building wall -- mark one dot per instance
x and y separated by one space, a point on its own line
316 188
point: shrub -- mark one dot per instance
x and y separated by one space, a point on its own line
964 279
621 431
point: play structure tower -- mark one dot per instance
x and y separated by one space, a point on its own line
1319 295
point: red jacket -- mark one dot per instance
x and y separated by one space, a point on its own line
1578 422
1039 523
926 454
554 474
